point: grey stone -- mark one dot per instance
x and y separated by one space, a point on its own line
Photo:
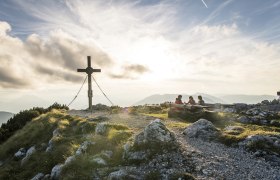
56 132
29 152
108 154
203 129
20 153
56 170
39 176
118 175
101 128
229 110
244 119
69 160
83 147
99 161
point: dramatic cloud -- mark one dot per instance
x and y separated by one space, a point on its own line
130 72
167 39
37 60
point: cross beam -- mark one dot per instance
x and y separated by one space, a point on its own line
89 70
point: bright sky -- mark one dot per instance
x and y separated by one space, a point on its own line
143 47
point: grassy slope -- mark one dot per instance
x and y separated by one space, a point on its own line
74 131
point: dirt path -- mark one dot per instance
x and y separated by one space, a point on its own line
217 161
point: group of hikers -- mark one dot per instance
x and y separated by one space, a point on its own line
191 100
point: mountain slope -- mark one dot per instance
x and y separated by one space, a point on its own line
5 116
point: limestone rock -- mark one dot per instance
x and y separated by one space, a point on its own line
108 154
69 159
99 161
256 142
56 170
203 129
29 152
156 132
39 176
82 149
20 153
118 175
101 128
244 119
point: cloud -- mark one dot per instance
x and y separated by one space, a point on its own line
130 72
38 60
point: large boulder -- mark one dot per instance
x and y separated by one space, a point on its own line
203 129
155 133
154 139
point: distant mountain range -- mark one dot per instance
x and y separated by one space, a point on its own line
5 116
229 99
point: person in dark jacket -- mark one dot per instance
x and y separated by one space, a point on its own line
200 101
191 101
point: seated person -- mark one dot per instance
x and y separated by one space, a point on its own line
191 101
179 100
200 101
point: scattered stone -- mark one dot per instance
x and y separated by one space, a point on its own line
101 128
50 146
108 154
39 176
56 132
83 147
203 129
56 170
244 119
265 143
99 161
118 175
20 153
69 159
229 110
29 152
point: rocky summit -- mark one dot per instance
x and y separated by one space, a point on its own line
132 144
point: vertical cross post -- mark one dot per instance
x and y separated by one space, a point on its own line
89 70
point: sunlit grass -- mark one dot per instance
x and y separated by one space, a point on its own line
163 116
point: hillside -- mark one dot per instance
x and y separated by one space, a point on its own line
131 145
4 116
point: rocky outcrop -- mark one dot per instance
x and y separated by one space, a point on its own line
56 170
202 129
155 133
154 138
101 128
29 152
20 153
83 147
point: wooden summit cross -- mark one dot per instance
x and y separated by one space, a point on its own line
89 70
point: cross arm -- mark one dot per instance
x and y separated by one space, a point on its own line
81 70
